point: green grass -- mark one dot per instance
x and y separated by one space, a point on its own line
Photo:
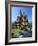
16 31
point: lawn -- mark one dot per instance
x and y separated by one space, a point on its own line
16 31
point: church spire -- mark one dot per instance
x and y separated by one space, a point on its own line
21 13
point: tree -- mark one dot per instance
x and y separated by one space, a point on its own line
30 25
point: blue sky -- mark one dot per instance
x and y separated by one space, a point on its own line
15 12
